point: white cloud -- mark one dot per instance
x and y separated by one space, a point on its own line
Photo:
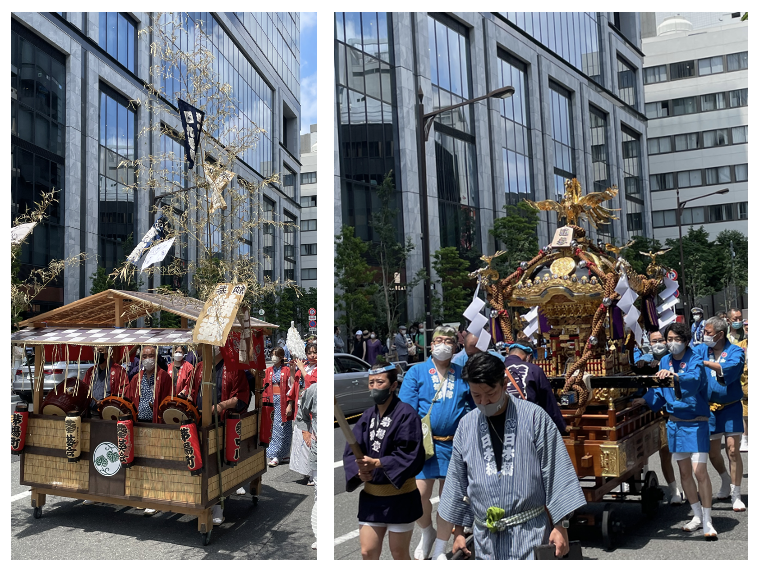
307 20
308 102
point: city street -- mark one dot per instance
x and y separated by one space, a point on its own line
278 527
643 539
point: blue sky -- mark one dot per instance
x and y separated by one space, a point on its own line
308 81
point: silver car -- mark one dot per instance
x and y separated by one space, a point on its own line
54 374
350 383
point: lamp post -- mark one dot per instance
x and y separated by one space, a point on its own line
680 207
425 121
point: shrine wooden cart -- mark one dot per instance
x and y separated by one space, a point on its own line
159 477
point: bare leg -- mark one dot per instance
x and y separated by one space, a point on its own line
425 487
399 544
686 479
704 484
666 465
371 540
715 456
734 456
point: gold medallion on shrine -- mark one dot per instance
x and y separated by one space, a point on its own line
563 266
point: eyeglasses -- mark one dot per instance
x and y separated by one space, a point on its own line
447 340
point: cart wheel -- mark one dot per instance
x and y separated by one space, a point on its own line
636 485
206 537
611 528
651 495
255 500
38 511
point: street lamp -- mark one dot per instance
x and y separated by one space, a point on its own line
680 207
425 121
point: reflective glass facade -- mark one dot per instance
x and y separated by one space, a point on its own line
574 36
268 237
116 35
289 246
632 179
450 72
366 112
517 153
563 138
628 86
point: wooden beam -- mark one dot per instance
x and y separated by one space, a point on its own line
184 322
39 374
118 319
206 406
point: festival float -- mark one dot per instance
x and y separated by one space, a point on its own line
184 464
588 309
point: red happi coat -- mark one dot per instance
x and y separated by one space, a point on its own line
234 384
286 393
184 376
162 389
117 378
311 378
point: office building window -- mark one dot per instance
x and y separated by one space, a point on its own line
117 209
116 35
682 70
742 172
723 212
308 201
740 134
599 149
628 89
715 175
573 36
289 246
308 177
309 225
691 178
632 175
739 61
309 249
563 137
711 102
450 71
739 98
708 66
682 106
309 274
743 208
659 145
655 74
666 218
517 154
289 182
713 138
685 142
662 181
268 238
657 110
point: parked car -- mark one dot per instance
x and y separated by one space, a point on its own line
350 383
54 374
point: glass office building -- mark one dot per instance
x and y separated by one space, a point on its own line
73 77
577 111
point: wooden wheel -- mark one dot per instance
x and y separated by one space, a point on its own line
611 528
38 512
206 537
651 495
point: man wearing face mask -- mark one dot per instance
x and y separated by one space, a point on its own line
688 424
510 473
736 332
697 328
724 364
390 436
435 387
400 344
105 375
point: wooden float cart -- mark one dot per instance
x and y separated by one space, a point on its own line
159 477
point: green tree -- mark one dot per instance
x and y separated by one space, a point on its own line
354 279
391 256
100 281
731 252
633 253
517 232
702 273
457 286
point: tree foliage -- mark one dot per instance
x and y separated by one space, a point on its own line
457 286
641 245
354 278
517 232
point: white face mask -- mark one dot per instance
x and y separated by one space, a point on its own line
697 318
676 348
491 409
709 341
372 335
149 364
441 352
179 357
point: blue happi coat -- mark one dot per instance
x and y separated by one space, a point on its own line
452 404
731 358
536 472
684 436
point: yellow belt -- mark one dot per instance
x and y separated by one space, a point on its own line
389 489
443 438
714 407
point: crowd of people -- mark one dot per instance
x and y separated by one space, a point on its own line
488 428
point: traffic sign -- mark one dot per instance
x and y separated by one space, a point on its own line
312 311
313 324
261 311
313 330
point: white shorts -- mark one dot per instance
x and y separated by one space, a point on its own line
694 456
406 527
719 435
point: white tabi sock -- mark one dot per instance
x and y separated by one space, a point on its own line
440 548
673 488
427 541
708 528
696 522
735 496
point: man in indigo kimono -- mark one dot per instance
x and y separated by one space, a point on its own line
724 364
509 474
389 434
435 387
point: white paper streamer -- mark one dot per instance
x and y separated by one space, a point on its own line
157 254
483 343
623 285
477 324
670 287
473 309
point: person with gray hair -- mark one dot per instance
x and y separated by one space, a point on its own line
400 344
435 388
724 362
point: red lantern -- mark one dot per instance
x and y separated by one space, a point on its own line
233 439
19 420
191 448
266 422
124 441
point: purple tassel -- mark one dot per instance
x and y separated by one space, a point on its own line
617 321
496 330
543 320
650 316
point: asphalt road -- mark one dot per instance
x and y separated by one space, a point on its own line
660 538
278 527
